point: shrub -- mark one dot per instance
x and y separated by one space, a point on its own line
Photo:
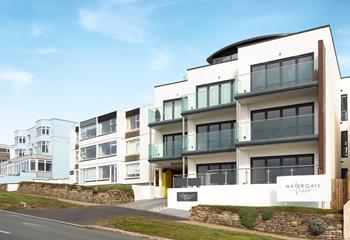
266 214
248 216
317 226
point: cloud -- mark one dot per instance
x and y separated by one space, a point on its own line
17 77
160 60
123 20
36 30
43 51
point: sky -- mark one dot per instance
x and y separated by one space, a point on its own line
76 59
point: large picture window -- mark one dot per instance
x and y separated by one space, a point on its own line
282 73
172 109
133 170
107 149
108 126
217 173
267 169
133 122
287 121
133 146
88 132
172 145
88 153
215 94
89 174
215 135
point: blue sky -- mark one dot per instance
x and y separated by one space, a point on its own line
78 59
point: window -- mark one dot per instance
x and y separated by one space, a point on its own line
344 144
133 122
88 153
172 109
48 166
104 172
42 147
42 131
133 146
108 126
20 152
344 107
267 169
282 73
107 149
41 165
215 94
215 135
20 139
32 165
133 170
287 121
217 173
88 132
172 145
89 174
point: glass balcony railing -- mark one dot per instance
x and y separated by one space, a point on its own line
209 141
171 149
254 175
211 97
289 75
277 128
161 114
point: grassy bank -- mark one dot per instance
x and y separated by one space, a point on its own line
14 201
176 230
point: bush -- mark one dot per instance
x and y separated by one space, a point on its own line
266 214
317 226
248 216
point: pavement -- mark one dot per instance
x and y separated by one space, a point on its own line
16 227
91 215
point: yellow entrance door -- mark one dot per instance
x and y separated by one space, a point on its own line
167 181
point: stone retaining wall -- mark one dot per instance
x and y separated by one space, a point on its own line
77 193
285 223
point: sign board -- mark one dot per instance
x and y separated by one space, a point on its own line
187 196
309 188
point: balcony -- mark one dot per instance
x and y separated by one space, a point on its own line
165 151
164 115
284 78
209 99
293 128
256 175
208 142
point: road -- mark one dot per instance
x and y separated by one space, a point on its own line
14 227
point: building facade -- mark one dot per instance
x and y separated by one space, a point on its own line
344 126
111 149
40 152
6 152
263 107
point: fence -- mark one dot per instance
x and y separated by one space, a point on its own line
340 192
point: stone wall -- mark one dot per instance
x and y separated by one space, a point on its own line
77 193
284 223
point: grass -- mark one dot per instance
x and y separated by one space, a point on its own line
105 188
291 209
12 201
176 230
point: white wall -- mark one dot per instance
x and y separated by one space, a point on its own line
344 125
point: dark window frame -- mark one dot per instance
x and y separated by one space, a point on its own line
280 61
344 144
172 107
172 135
208 85
344 109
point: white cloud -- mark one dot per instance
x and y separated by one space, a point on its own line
43 51
36 30
122 20
17 77
160 60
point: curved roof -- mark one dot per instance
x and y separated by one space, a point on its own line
232 48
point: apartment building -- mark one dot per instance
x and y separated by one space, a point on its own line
261 108
40 152
111 149
344 126
6 152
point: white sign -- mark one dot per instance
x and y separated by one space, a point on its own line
310 188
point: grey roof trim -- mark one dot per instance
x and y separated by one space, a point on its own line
274 141
165 122
207 109
166 84
161 159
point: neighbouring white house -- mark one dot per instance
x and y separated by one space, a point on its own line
40 153
112 149
6 152
262 108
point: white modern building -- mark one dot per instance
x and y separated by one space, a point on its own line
40 153
344 126
112 149
261 108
